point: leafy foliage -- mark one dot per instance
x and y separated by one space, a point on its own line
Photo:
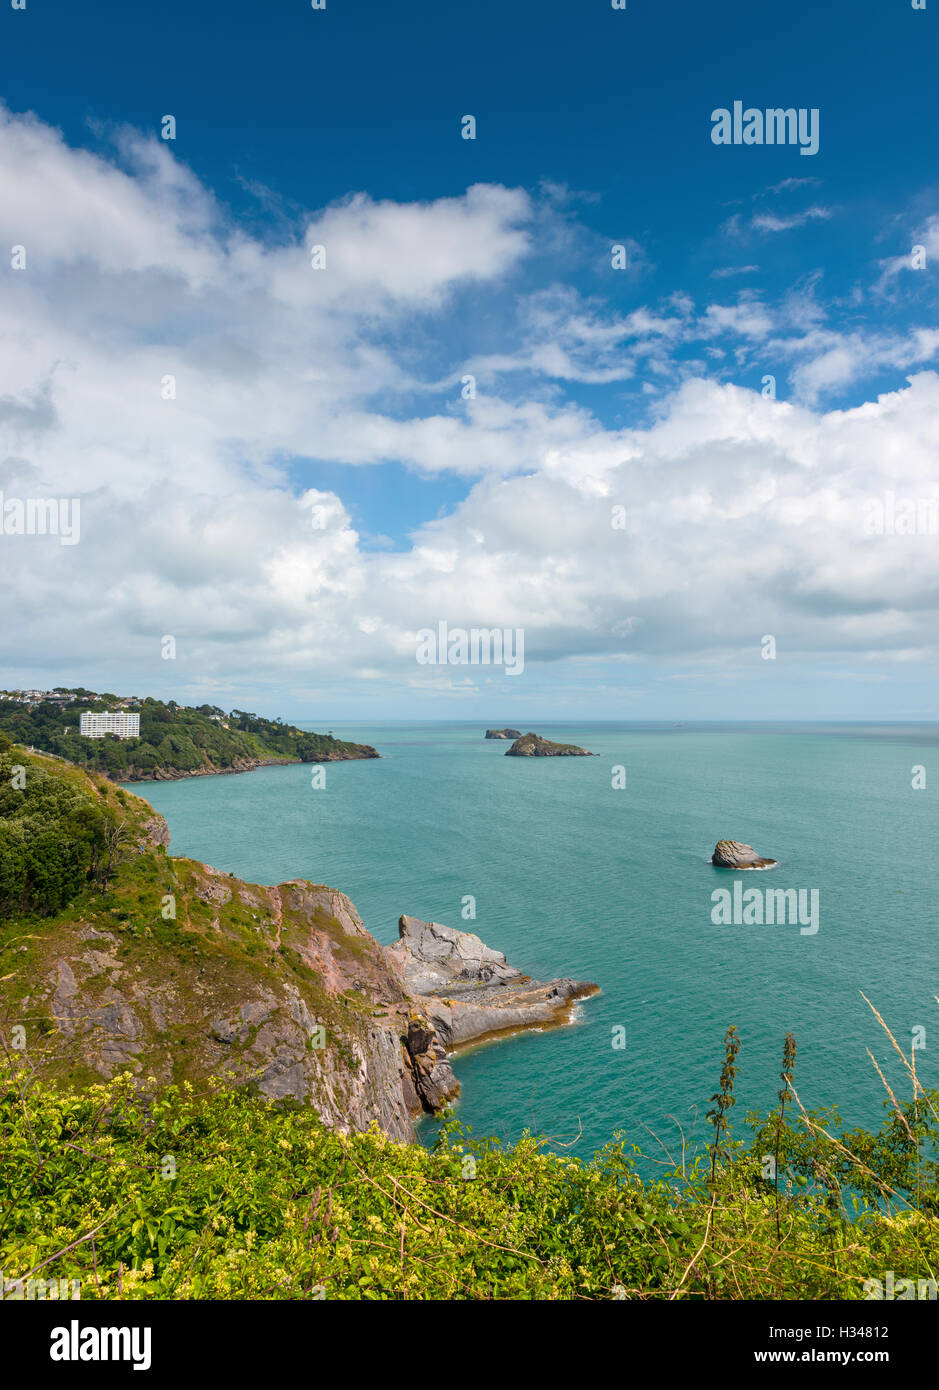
54 836
226 1195
172 739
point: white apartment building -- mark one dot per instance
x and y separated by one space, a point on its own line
97 725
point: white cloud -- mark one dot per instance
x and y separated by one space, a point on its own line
773 222
744 515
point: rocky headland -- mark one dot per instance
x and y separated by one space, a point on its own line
351 753
470 992
178 972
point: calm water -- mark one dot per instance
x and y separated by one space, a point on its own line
572 877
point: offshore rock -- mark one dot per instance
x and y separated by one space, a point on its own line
534 746
732 854
503 733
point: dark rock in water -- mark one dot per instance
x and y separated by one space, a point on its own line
469 992
731 854
503 733
534 746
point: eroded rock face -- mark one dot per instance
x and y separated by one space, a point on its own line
303 1002
434 957
503 733
282 987
156 832
732 854
534 746
469 991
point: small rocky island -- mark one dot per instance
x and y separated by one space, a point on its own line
534 746
731 854
503 733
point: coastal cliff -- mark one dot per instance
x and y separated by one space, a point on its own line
352 752
172 970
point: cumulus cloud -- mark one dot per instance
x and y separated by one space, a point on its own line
739 515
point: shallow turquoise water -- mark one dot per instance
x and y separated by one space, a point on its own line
572 877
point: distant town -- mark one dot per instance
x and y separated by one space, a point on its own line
116 719
66 697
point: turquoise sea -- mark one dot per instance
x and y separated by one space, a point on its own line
574 877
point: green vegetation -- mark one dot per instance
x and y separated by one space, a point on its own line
224 1195
55 836
172 740
90 857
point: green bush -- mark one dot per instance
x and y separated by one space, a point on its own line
229 1196
52 837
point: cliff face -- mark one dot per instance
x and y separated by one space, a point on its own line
279 987
180 972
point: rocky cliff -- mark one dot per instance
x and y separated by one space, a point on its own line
354 752
181 972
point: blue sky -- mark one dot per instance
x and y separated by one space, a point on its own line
596 387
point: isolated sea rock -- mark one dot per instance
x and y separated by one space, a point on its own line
534 746
503 733
469 992
732 854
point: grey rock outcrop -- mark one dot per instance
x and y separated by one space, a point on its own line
470 992
732 854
